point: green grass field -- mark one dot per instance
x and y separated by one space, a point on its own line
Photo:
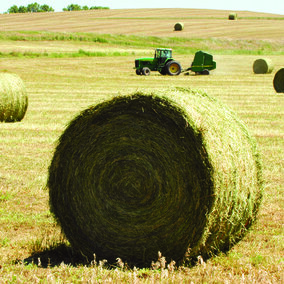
59 87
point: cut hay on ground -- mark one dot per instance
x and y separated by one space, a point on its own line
278 81
13 98
179 26
262 66
168 171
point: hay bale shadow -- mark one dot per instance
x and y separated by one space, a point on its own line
55 256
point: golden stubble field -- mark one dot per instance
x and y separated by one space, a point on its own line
153 22
59 88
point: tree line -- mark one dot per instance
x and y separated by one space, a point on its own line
35 7
76 7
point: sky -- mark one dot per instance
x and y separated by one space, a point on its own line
271 6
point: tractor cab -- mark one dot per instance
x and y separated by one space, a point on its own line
162 54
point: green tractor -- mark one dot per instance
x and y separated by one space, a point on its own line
164 63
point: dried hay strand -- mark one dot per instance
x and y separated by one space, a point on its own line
262 66
13 98
233 16
172 171
179 27
278 81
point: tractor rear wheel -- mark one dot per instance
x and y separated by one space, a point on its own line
146 71
138 72
173 68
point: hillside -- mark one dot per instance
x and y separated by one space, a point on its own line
152 22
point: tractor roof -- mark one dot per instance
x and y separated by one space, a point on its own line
162 48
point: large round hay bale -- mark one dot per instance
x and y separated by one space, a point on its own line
179 26
171 171
13 98
262 66
278 81
233 16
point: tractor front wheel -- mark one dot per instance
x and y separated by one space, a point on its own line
146 71
173 68
138 72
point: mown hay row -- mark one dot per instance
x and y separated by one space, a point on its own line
263 66
13 98
179 27
171 171
278 81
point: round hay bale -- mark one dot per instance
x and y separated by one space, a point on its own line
13 98
278 81
262 66
233 16
172 171
179 26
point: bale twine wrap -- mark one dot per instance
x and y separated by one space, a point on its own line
167 171
179 26
278 81
13 98
262 66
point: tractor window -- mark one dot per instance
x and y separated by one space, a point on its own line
157 54
166 53
163 54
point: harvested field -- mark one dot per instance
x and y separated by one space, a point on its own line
153 22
